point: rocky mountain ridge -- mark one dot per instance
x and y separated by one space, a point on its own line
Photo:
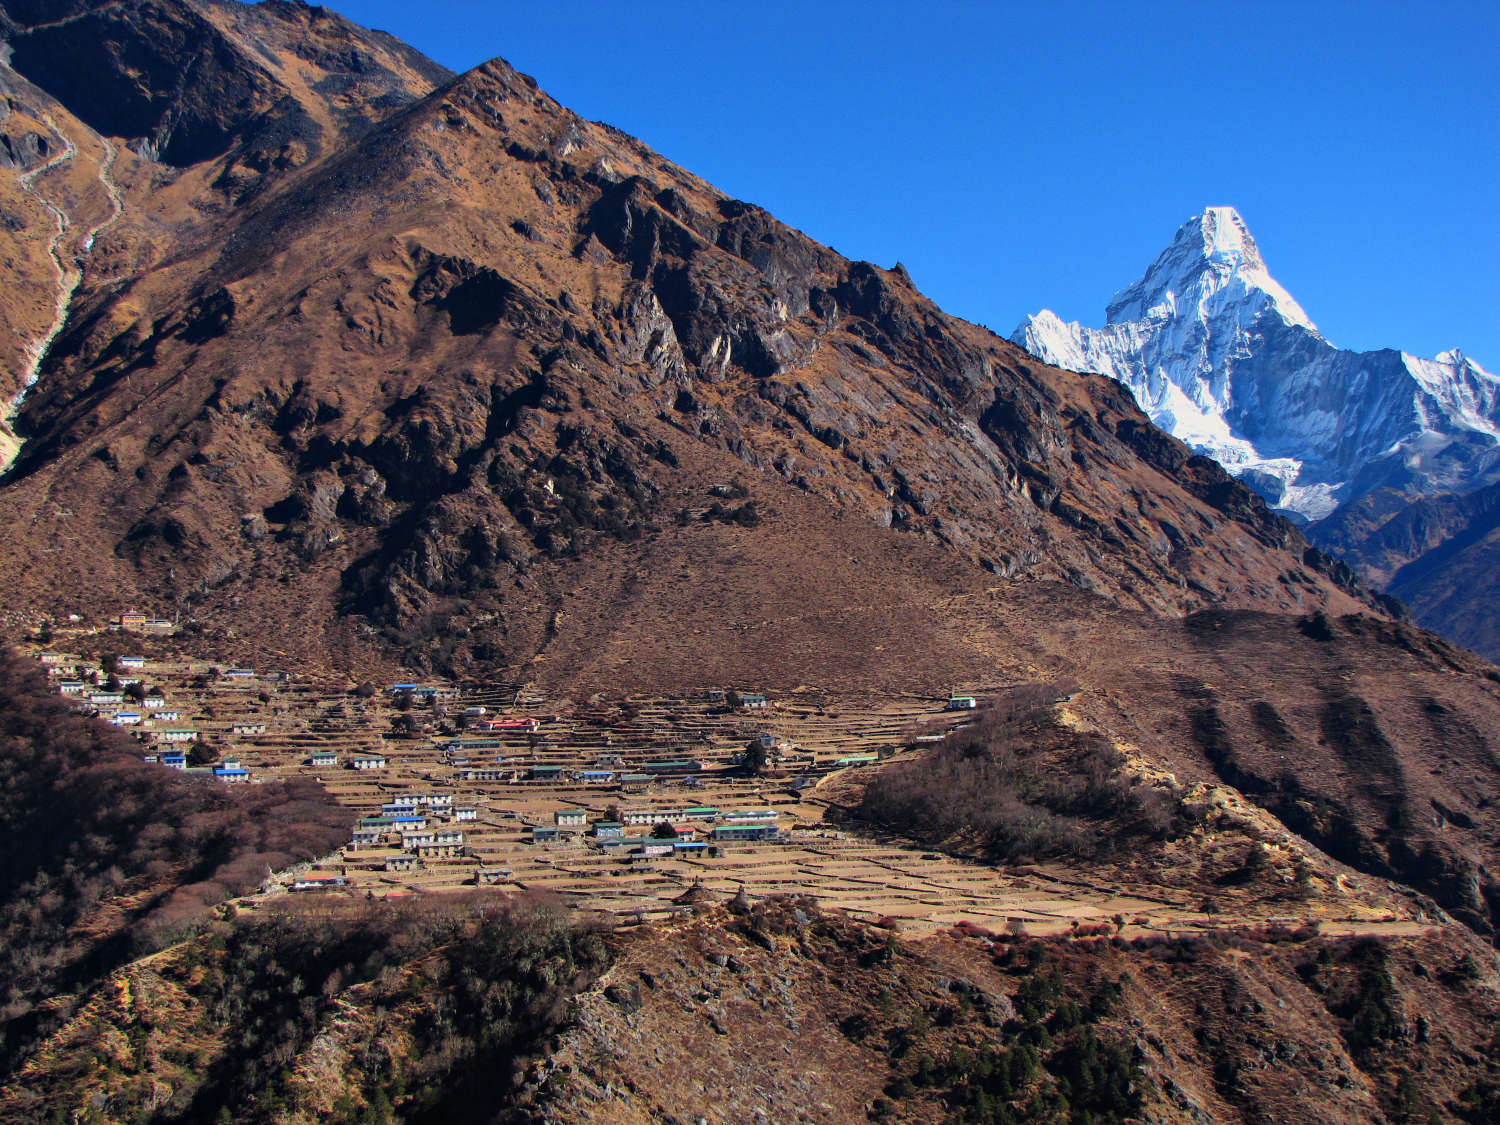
452 384
413 376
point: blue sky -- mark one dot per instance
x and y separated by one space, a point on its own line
1018 157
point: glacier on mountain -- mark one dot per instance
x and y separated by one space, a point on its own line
1219 355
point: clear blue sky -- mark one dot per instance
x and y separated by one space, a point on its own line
1021 156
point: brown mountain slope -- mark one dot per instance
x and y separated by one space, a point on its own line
294 1014
135 128
367 370
776 1012
1436 553
441 362
1373 740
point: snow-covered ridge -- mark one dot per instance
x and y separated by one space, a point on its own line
1220 355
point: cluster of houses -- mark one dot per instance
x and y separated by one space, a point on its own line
748 700
693 831
643 775
228 769
151 719
119 707
424 824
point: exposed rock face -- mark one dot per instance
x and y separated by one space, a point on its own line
157 73
185 82
1221 356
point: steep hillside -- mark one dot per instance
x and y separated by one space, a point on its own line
423 378
773 1012
339 1014
1373 741
795 1016
1436 553
136 129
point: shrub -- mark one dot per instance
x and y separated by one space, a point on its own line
1016 784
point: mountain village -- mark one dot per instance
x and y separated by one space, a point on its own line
640 808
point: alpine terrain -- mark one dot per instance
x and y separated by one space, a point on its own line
501 630
1221 356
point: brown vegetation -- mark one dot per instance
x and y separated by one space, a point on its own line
1017 785
425 1010
782 1008
108 856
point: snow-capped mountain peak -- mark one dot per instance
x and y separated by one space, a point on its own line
1219 354
1212 259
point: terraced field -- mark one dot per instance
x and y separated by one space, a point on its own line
473 799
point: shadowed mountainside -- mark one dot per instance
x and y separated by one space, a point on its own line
1438 554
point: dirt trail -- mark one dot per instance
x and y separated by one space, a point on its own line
66 277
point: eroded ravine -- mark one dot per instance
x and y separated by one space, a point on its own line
69 270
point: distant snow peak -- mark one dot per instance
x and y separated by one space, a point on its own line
1220 355
1212 259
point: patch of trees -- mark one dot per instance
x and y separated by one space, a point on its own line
756 758
1048 1062
561 500
475 985
1017 785
107 855
745 515
432 1008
